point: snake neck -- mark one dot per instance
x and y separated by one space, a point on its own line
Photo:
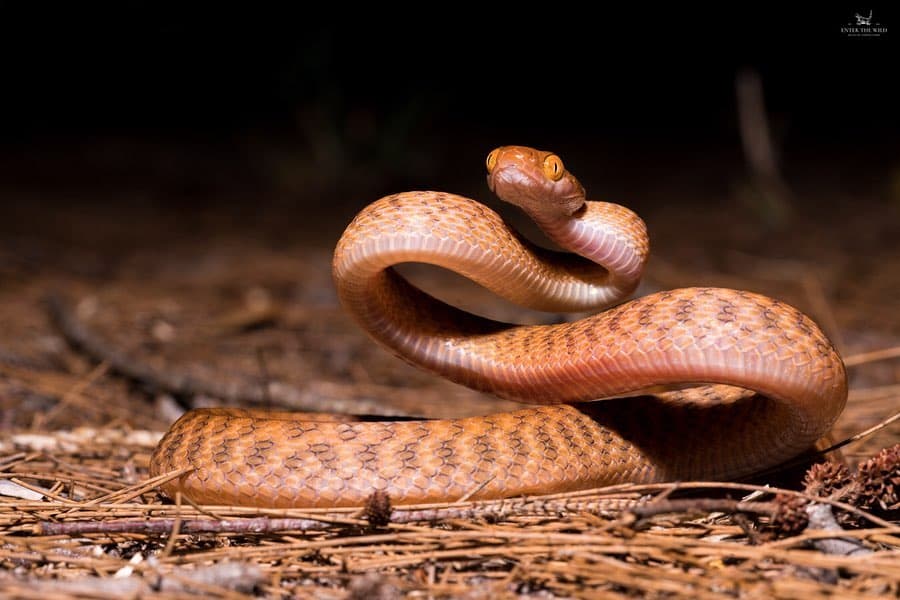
606 234
468 238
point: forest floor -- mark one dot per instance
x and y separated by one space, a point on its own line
223 282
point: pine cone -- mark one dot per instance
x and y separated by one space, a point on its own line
878 481
829 480
378 509
790 516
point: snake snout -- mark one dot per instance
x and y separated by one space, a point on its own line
534 193
513 185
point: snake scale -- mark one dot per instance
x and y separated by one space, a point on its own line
750 381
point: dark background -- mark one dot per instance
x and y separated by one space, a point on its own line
362 101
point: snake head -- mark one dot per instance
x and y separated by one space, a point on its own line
534 180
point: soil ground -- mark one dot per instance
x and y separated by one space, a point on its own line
214 264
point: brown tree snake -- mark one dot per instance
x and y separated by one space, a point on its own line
766 383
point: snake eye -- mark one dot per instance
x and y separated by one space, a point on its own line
491 160
553 167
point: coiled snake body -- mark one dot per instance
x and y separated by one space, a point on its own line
769 382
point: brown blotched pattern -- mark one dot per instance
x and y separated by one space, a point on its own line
778 383
241 459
